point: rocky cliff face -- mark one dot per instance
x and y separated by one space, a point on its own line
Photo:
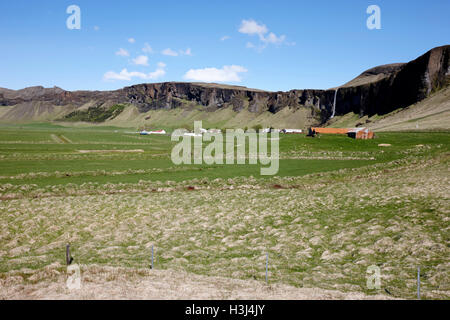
405 85
173 95
377 91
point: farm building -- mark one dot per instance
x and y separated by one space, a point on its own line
146 133
214 131
355 133
192 134
331 130
361 133
292 131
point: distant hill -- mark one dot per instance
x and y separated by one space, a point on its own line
377 92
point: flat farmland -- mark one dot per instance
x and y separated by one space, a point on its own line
336 207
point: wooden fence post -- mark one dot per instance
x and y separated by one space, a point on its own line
68 254
418 283
152 257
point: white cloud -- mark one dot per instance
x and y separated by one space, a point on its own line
131 40
122 52
224 38
173 53
226 74
125 75
272 38
96 28
169 52
141 61
159 72
147 48
251 27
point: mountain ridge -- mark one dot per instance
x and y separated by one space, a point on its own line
379 90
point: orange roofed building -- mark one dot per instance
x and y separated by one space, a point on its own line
361 133
331 130
356 133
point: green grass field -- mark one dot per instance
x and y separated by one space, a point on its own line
336 207
33 153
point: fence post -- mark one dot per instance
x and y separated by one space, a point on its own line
152 257
267 267
418 283
68 254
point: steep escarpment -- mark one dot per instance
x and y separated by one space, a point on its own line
171 95
402 86
379 90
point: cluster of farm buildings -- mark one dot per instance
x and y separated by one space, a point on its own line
355 133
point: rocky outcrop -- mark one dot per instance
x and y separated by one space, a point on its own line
379 90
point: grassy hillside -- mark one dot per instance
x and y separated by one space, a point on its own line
222 118
95 114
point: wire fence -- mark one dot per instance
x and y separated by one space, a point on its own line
273 273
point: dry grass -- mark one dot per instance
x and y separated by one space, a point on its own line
102 283
321 231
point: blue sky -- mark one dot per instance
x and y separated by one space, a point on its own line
271 45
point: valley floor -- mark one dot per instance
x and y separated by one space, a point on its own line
321 228
321 231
